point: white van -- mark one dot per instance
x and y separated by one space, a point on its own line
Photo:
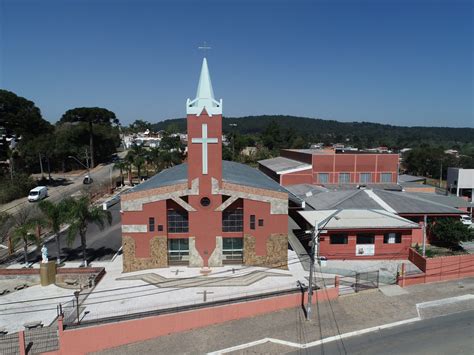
38 193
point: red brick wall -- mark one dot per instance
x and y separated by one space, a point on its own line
382 250
298 177
272 223
96 338
355 164
438 269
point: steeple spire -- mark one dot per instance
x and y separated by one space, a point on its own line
204 90
204 95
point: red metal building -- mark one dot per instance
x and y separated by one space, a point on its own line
206 212
331 167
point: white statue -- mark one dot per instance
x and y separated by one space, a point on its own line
44 254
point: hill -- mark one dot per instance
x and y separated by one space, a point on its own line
362 134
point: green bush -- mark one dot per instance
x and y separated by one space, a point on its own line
19 187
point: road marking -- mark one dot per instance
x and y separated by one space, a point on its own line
443 301
317 342
346 335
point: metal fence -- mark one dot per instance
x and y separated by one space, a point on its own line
41 340
359 281
9 344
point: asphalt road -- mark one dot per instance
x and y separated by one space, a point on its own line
100 175
101 244
452 334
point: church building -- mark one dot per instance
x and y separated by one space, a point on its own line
206 212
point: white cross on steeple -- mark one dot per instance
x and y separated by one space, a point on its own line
204 140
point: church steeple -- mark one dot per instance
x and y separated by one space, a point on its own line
204 96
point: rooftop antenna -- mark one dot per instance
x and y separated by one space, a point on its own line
205 47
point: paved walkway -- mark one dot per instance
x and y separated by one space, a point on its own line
204 281
345 314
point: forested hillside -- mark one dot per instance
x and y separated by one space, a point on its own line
359 134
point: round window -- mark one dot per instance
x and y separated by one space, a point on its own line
205 201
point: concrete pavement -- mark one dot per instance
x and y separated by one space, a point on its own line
343 315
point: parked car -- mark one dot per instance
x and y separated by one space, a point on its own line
38 193
87 180
466 219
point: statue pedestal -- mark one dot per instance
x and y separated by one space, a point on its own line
47 273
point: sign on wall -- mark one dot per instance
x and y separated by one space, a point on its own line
365 249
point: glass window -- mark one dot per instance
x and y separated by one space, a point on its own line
151 224
386 177
365 178
178 250
260 222
365 239
232 249
323 178
344 178
338 239
233 220
160 228
252 221
178 221
392 238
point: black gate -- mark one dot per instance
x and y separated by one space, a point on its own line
359 281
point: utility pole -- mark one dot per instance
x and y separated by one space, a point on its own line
315 242
233 139
425 221
41 166
441 174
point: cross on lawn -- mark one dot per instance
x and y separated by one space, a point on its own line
204 294
177 271
204 140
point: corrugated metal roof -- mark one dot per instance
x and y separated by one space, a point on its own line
281 164
410 178
404 202
343 199
358 219
452 201
236 173
305 190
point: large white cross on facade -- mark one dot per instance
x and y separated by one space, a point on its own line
204 140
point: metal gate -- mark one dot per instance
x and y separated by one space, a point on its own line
359 281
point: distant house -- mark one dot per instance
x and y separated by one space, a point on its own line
249 151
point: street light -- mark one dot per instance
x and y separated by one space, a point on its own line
233 138
72 157
318 226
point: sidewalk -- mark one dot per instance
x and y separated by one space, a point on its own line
349 313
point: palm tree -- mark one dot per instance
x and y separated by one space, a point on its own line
22 226
80 213
54 216
23 233
122 166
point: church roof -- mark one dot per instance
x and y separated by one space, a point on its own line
204 95
232 172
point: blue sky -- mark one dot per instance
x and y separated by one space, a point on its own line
398 62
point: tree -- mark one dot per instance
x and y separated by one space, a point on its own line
140 126
54 215
22 226
20 117
91 116
450 231
122 166
79 214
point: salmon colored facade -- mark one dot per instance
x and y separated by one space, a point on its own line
330 167
382 249
191 215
